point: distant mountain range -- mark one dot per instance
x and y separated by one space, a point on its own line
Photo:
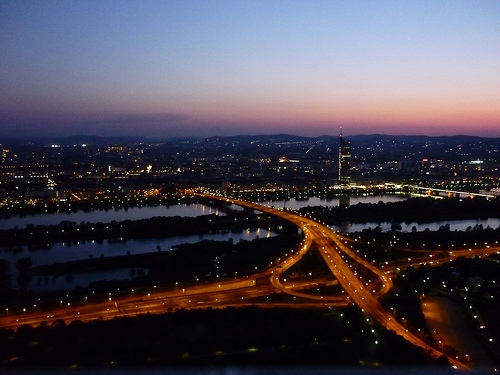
250 139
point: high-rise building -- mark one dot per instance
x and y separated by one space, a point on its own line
344 161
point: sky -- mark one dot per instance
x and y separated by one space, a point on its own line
186 68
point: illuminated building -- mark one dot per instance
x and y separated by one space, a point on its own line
344 161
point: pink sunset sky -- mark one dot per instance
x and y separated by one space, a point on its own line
200 68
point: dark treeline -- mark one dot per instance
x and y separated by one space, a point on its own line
441 239
188 260
470 282
105 203
404 303
231 336
412 210
303 194
4 276
156 227
457 275
312 261
208 261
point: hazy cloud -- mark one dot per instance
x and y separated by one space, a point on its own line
155 125
166 118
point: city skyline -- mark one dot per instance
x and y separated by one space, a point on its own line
187 68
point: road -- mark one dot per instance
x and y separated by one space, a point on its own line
334 249
437 257
241 291
446 319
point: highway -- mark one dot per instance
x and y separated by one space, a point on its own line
334 249
238 292
434 258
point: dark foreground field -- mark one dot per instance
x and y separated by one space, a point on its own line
246 336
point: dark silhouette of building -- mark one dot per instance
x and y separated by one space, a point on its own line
344 161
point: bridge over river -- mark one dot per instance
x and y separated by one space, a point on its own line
439 192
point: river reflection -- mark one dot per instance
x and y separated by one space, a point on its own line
296 204
48 284
460 225
63 252
106 216
180 209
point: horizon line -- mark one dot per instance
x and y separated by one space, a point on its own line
180 137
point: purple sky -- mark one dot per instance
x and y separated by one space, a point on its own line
201 68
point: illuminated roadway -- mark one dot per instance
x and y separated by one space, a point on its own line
333 248
227 293
434 258
331 245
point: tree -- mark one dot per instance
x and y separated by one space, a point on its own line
396 226
23 264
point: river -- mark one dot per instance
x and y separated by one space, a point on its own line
106 216
460 225
180 209
63 252
296 204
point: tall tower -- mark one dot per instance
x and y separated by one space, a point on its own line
344 160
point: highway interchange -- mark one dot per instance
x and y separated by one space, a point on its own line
335 250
